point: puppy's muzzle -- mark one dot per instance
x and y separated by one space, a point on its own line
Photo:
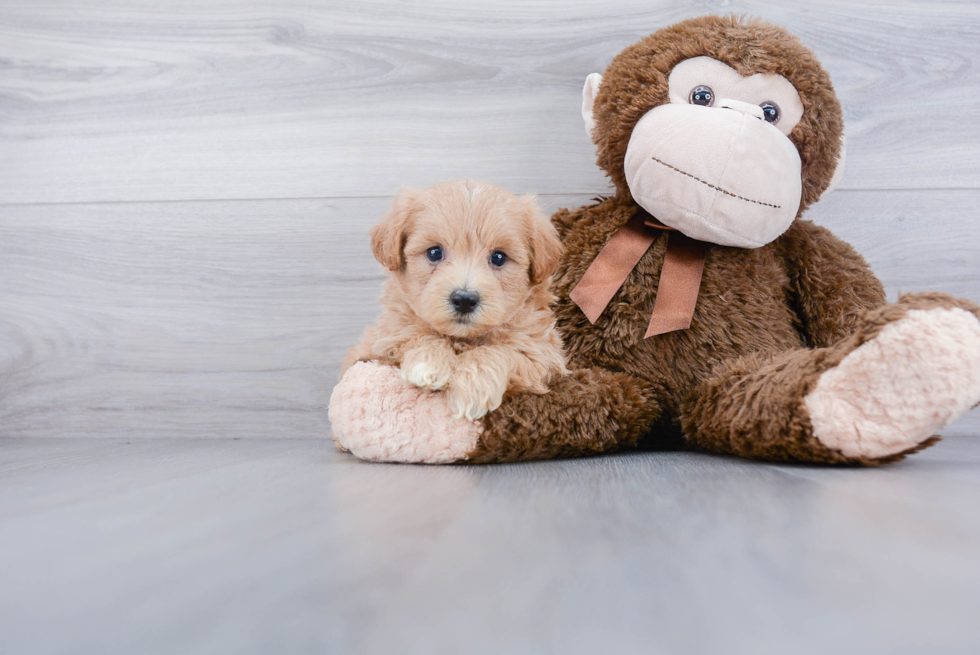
463 301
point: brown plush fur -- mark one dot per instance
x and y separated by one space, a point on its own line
509 341
768 321
611 411
752 406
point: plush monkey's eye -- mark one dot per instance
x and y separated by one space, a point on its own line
702 95
498 258
434 254
770 111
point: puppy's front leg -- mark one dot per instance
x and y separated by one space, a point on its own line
429 364
479 382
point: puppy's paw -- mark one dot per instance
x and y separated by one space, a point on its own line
471 395
426 368
425 376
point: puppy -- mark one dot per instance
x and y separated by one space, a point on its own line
466 307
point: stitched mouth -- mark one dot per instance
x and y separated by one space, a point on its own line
716 188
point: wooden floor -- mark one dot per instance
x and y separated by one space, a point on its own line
287 546
185 193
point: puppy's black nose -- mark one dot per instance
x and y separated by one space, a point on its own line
464 302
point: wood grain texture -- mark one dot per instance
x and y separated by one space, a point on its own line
195 319
185 193
232 99
220 546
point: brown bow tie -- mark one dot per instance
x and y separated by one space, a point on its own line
680 277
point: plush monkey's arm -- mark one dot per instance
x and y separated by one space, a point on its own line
376 416
587 412
831 284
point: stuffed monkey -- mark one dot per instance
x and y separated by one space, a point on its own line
698 308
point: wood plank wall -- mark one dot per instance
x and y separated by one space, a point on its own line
185 187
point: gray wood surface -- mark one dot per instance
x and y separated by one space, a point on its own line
185 192
229 318
231 99
264 546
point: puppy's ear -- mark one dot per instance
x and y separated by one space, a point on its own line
544 244
388 237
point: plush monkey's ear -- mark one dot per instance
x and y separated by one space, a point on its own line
589 92
839 171
545 247
388 237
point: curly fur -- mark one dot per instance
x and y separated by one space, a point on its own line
509 342
376 416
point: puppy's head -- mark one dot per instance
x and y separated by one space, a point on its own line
466 254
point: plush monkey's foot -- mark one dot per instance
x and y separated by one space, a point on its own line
378 417
893 392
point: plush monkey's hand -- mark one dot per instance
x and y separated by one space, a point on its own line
377 416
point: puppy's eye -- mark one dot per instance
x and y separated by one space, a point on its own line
434 254
702 95
498 258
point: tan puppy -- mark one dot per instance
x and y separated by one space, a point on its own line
466 308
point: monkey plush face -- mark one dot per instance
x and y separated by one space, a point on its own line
722 129
715 162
